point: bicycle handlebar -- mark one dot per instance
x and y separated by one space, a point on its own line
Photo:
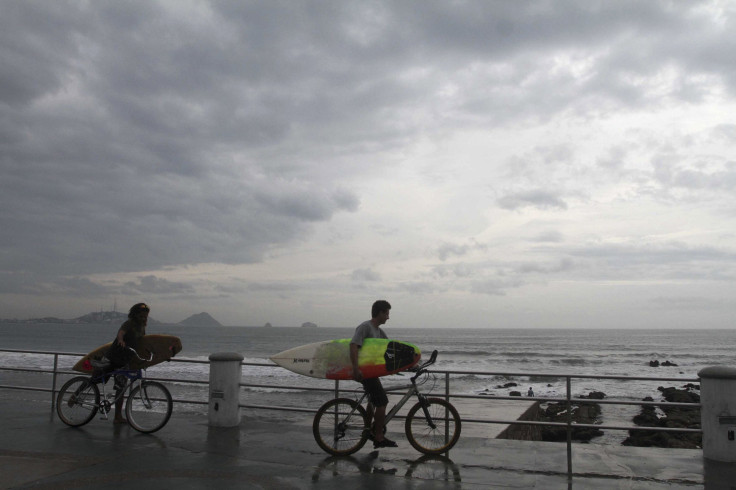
420 370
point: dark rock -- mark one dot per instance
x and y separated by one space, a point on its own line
595 395
675 417
582 413
654 363
507 385
674 395
515 393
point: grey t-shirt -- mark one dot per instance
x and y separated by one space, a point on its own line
366 330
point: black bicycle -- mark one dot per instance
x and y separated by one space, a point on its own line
341 426
148 407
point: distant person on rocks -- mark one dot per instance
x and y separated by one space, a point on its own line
377 399
129 334
530 392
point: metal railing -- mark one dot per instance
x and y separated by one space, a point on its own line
569 400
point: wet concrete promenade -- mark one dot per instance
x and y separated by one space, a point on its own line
38 451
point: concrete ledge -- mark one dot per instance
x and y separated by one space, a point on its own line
524 432
226 357
718 372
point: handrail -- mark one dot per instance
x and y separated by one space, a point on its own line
568 399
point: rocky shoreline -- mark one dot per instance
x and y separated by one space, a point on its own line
649 416
669 417
582 413
589 413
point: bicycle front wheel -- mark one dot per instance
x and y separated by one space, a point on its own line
149 406
78 401
341 427
437 435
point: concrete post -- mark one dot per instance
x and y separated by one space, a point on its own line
224 389
718 413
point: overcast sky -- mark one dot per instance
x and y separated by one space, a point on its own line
501 164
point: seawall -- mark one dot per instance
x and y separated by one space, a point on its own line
524 432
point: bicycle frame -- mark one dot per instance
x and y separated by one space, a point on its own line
412 390
131 375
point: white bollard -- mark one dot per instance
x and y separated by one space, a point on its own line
718 413
224 398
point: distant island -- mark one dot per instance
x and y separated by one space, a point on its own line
309 325
116 317
203 319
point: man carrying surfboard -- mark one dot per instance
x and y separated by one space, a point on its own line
373 387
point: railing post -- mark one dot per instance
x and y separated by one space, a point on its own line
224 403
718 412
53 382
569 428
447 413
337 388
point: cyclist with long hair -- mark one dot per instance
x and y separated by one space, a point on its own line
129 334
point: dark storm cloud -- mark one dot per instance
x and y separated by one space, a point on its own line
139 135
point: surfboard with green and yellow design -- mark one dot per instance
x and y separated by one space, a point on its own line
331 359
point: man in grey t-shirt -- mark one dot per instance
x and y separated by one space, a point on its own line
378 400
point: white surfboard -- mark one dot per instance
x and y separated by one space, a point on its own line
330 359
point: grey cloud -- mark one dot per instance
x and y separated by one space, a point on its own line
673 175
494 286
307 203
40 285
156 285
551 236
138 135
460 270
418 287
281 287
614 158
563 265
365 275
537 198
726 132
669 261
687 303
447 250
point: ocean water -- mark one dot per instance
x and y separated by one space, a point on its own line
471 351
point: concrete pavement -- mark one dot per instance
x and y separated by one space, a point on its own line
271 451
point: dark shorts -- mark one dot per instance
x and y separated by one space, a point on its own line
376 394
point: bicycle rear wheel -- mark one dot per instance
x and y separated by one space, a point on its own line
78 401
149 406
437 439
341 427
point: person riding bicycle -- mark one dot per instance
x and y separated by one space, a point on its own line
373 387
119 356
